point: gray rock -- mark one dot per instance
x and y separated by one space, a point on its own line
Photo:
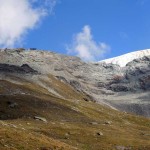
99 133
93 123
62 79
40 118
76 85
13 105
122 148
108 122
67 135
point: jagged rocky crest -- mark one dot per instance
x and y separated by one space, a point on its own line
123 88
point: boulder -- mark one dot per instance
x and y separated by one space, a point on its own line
99 133
12 104
40 118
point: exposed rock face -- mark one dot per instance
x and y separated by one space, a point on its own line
17 69
124 88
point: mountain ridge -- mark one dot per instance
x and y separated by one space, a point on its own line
122 60
102 82
47 99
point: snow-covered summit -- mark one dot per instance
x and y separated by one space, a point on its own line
124 59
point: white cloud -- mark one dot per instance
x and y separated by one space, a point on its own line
85 47
17 17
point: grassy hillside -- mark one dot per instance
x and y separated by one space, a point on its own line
72 122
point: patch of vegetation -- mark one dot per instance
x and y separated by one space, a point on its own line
72 123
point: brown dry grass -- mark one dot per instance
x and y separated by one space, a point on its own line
69 122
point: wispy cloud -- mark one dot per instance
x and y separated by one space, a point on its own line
17 17
84 46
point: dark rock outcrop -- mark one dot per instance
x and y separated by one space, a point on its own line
17 69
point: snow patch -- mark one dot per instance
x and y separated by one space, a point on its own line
126 58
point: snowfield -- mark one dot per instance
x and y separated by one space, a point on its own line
126 58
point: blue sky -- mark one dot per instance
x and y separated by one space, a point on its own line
91 29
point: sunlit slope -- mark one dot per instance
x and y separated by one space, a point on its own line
72 120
